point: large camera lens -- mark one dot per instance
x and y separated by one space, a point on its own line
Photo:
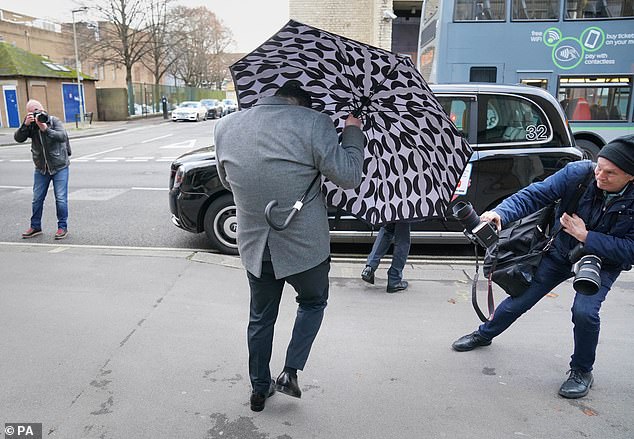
41 116
588 275
464 213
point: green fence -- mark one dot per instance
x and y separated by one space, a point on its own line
147 97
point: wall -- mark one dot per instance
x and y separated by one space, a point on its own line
49 92
360 20
112 103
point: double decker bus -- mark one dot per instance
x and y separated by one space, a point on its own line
580 51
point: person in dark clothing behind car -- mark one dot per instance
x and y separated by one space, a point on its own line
268 152
603 224
50 156
399 234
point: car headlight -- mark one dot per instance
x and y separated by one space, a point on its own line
178 178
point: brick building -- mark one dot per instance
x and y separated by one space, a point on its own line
388 24
55 42
25 76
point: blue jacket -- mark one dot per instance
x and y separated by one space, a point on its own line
611 230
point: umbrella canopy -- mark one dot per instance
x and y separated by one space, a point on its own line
414 155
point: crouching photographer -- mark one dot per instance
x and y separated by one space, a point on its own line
596 244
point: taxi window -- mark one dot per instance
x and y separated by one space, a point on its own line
458 109
505 119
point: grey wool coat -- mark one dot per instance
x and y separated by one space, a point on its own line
272 151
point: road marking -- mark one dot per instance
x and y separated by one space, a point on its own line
157 138
89 156
15 187
20 161
149 188
186 144
120 131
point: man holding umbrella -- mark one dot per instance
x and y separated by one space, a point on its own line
273 150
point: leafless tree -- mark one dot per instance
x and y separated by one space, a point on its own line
198 57
163 35
124 36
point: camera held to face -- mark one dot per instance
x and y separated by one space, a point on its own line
481 232
41 116
587 269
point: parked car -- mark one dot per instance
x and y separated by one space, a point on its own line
189 110
519 135
230 106
214 107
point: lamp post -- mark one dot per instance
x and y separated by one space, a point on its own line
77 67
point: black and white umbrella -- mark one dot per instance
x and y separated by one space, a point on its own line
414 155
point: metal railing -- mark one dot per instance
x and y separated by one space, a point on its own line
147 97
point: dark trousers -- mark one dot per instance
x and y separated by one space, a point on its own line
399 234
266 292
585 309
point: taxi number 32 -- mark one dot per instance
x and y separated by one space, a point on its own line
536 132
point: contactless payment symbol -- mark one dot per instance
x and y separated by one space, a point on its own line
568 52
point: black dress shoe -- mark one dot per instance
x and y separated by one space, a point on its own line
577 385
258 399
287 384
400 286
469 342
368 274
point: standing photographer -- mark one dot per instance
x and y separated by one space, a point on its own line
603 226
50 156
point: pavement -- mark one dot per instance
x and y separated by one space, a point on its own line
108 342
96 128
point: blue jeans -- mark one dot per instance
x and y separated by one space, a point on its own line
399 234
552 271
266 293
40 188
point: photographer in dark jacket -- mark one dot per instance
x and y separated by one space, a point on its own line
50 156
603 224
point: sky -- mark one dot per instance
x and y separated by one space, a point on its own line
250 21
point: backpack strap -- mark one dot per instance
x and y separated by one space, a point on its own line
573 204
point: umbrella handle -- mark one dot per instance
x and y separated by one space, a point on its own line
296 207
267 214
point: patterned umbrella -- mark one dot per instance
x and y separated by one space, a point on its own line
414 155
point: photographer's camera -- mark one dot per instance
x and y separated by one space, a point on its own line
483 232
41 116
587 269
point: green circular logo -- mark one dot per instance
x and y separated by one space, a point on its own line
552 36
592 39
568 54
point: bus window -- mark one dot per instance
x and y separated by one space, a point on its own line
591 9
535 9
479 10
509 119
595 98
